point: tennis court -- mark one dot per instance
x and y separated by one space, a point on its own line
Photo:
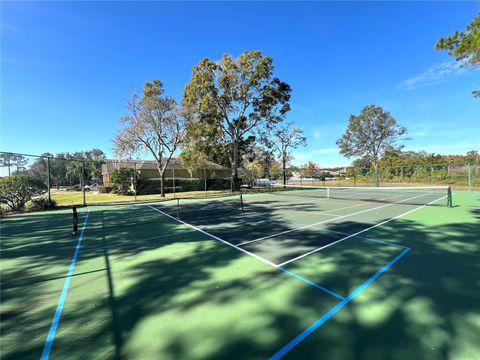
294 273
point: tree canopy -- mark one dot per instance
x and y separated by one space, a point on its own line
154 125
370 135
231 100
17 190
283 139
464 46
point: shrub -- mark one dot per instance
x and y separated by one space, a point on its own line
148 186
218 184
17 190
42 203
121 180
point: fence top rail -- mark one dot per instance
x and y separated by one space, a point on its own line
40 156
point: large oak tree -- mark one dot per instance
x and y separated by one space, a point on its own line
232 99
371 134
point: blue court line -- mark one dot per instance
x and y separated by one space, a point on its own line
61 301
311 283
283 351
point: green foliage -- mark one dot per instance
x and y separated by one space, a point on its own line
263 157
310 170
420 168
251 171
104 189
67 168
41 204
231 99
371 134
464 46
17 190
121 181
276 170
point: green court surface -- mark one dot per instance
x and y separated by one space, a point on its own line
274 276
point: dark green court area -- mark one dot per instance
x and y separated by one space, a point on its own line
264 276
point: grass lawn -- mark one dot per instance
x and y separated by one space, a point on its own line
67 198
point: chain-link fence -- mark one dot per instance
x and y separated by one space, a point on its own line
142 179
45 179
82 181
459 176
68 182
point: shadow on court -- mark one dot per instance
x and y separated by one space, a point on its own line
188 296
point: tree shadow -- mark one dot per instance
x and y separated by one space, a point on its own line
190 297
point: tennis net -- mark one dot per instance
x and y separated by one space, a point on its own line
428 195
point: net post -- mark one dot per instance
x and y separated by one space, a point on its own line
469 177
83 183
241 201
48 181
449 197
328 193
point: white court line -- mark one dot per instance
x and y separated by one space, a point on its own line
358 232
216 238
329 220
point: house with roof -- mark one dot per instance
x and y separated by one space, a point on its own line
147 169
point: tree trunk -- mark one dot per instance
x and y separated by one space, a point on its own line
162 180
377 181
235 180
284 168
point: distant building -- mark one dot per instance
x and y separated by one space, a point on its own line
147 169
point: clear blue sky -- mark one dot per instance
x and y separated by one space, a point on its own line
67 68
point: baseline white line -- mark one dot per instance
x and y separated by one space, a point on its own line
216 237
357 233
329 220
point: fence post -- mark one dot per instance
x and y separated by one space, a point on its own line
431 174
205 179
173 181
48 180
469 177
135 180
83 183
